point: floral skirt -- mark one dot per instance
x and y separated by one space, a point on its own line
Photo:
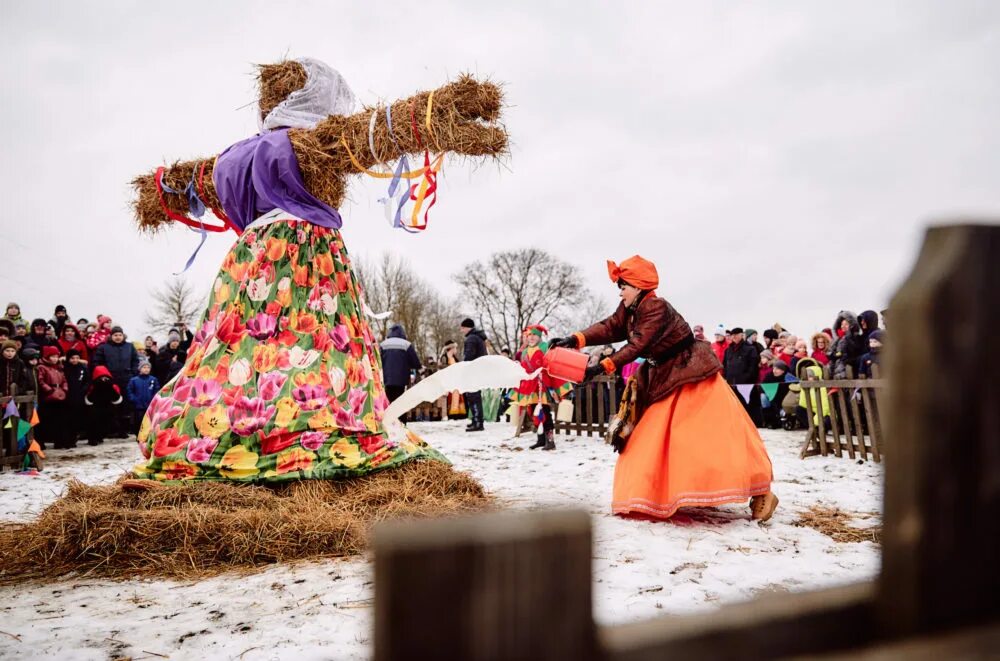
284 379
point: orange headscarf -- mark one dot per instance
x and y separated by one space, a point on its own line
636 271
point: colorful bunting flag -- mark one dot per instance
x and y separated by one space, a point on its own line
6 425
745 389
22 429
34 417
11 410
770 389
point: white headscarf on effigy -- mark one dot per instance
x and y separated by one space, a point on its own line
325 93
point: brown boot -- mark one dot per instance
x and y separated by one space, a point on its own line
762 507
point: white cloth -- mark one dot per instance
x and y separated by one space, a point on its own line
325 93
270 217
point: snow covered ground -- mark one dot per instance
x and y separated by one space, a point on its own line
322 610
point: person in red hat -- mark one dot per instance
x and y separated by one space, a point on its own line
53 392
692 443
538 395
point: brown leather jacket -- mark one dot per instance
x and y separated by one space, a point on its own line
651 329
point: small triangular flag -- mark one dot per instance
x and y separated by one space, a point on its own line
770 389
6 425
22 429
11 410
34 417
745 389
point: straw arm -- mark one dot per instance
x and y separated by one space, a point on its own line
146 206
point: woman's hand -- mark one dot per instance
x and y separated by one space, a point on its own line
592 371
565 342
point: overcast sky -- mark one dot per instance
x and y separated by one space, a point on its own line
779 161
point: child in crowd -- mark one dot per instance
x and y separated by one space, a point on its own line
52 396
30 356
874 355
772 406
764 366
100 334
103 401
821 343
14 374
13 313
170 359
77 380
141 390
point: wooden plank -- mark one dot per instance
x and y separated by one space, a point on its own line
845 419
847 383
770 627
834 423
973 643
820 422
602 387
941 536
874 423
495 586
859 428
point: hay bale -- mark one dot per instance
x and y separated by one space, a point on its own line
835 523
210 527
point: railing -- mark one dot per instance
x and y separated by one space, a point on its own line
855 421
9 456
518 586
594 403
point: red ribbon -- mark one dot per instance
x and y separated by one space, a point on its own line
158 178
221 215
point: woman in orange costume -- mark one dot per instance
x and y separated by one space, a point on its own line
693 444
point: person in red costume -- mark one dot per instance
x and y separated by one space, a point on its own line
693 444
540 394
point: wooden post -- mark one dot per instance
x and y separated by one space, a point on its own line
496 586
941 540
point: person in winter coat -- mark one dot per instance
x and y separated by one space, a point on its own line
30 357
149 349
537 396
59 319
475 347
868 320
38 338
720 344
70 340
141 390
104 402
122 361
752 340
170 359
6 330
101 334
777 373
764 365
13 371
699 333
821 343
848 347
399 361
692 443
874 355
769 336
53 391
809 368
13 313
77 380
740 368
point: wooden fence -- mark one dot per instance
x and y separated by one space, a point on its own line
518 586
594 403
855 423
9 456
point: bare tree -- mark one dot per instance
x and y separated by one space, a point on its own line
175 302
390 284
520 287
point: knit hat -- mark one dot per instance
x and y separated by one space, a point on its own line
8 344
771 333
736 331
73 352
6 326
60 308
173 335
721 330
878 336
636 271
29 353
117 329
780 364
39 322
49 351
750 332
468 323
143 361
767 353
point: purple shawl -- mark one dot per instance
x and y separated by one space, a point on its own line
261 174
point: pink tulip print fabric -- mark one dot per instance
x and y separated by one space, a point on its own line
283 380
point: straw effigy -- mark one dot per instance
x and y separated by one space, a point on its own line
191 531
465 117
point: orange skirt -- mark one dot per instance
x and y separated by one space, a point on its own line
695 448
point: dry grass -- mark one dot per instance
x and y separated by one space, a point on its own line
835 523
210 527
465 120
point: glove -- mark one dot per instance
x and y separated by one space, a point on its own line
565 342
592 371
619 444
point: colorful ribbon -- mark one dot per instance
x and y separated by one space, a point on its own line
196 207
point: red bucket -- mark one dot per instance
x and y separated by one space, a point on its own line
566 364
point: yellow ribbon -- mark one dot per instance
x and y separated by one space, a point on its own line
412 174
427 120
